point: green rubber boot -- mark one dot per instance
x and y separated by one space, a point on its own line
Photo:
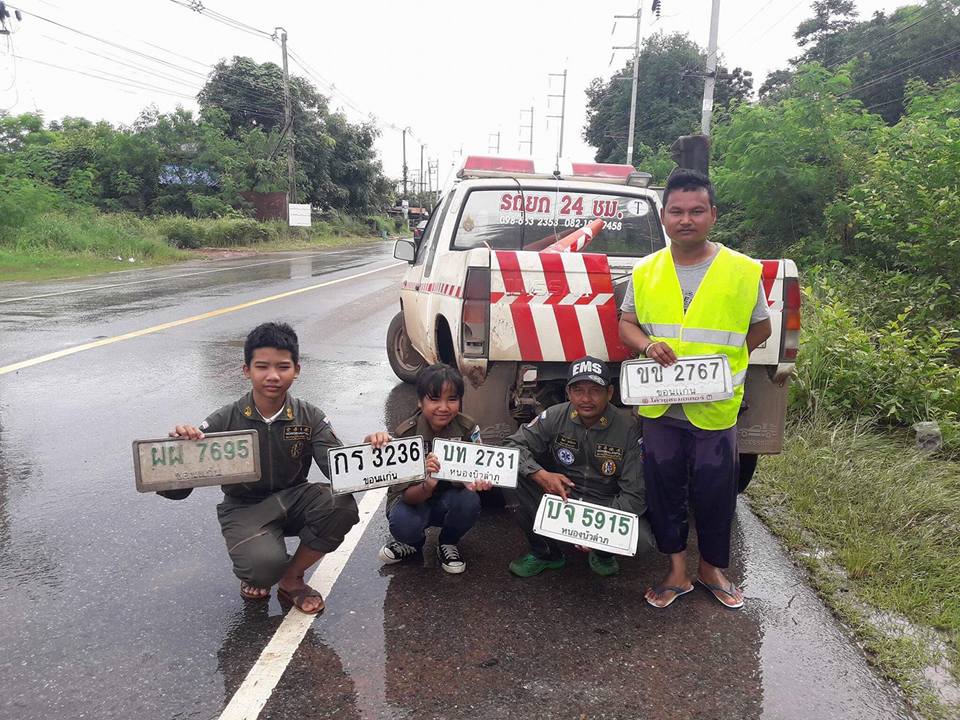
530 565
605 566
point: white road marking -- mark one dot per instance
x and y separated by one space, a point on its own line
176 323
158 279
258 685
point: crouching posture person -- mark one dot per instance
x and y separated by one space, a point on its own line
452 507
255 517
585 449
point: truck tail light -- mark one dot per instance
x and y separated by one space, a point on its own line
493 166
475 321
791 319
608 171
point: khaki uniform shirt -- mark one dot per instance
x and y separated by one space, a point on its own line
300 435
460 428
603 462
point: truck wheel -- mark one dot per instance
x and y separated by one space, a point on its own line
405 361
748 465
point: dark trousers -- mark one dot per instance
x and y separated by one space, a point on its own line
254 531
528 498
454 511
681 461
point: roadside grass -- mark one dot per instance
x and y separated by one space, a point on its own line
79 241
877 523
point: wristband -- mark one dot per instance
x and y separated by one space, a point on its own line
649 345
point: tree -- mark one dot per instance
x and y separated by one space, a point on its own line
669 97
780 165
335 159
825 31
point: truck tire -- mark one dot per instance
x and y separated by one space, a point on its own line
405 361
748 466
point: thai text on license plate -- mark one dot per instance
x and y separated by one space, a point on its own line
587 524
224 458
468 462
364 467
699 378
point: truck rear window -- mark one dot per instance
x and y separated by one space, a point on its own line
528 219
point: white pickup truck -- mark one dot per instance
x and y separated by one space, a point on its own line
496 287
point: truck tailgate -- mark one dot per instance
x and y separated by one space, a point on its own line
552 307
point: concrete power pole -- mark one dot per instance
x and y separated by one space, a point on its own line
288 122
711 78
405 162
529 142
636 73
422 146
563 107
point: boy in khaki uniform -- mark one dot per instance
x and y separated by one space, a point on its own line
292 433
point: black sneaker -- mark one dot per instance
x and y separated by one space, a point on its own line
396 551
449 557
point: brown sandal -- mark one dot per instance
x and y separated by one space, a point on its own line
297 597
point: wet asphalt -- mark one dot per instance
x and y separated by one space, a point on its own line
122 605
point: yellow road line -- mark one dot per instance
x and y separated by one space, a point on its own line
176 323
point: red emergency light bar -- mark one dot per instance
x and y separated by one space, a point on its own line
602 170
487 165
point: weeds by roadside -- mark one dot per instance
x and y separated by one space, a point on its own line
878 524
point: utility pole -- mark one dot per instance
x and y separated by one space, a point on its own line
421 167
288 121
563 107
491 148
530 128
636 73
405 162
711 78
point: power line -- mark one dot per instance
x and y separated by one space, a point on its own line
889 75
750 20
198 7
881 40
128 83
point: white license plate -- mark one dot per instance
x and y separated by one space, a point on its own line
699 378
468 462
583 523
364 467
224 458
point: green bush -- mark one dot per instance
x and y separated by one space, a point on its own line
182 232
234 232
22 200
854 365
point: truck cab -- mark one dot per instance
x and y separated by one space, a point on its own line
521 269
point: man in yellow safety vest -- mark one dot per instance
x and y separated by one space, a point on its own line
694 297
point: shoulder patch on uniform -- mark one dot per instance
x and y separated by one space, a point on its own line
475 434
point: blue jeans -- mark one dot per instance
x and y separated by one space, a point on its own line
455 510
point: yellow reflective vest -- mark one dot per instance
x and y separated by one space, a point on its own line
715 323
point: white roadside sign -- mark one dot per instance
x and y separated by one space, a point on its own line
364 467
468 462
299 214
700 378
224 458
587 524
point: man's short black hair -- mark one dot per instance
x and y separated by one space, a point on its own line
430 381
272 335
683 179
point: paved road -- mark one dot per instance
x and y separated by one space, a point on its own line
120 605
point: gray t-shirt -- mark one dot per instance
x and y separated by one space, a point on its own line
690 277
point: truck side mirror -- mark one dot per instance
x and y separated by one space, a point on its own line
405 250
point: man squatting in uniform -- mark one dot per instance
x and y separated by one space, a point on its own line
452 507
586 449
255 517
695 297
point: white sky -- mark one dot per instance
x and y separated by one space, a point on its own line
454 73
